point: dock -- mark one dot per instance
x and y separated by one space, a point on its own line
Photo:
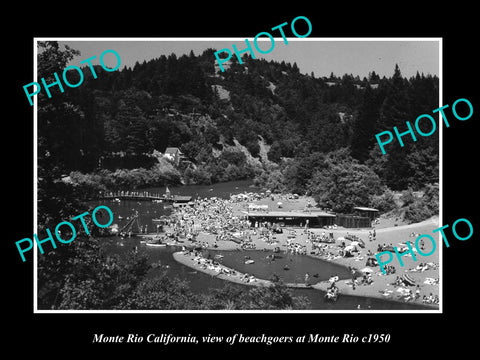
143 196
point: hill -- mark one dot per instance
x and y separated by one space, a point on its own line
260 119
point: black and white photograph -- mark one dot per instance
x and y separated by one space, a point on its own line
220 181
244 184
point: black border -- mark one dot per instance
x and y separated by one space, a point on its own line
413 334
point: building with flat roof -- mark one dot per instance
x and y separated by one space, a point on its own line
292 218
371 213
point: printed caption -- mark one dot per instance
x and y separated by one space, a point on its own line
238 338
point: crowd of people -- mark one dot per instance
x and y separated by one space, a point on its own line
216 216
424 267
389 269
212 215
430 299
207 263
294 247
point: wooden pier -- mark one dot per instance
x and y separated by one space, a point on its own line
143 196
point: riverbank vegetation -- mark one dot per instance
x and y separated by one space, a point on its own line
261 119
160 174
88 279
265 120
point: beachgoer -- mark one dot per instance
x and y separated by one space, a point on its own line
417 292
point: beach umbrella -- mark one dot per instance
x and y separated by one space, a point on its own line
408 279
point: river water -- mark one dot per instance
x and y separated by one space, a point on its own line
298 265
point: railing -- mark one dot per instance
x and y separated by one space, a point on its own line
137 195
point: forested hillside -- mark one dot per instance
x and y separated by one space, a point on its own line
262 120
303 133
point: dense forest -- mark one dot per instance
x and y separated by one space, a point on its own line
257 120
264 120
260 120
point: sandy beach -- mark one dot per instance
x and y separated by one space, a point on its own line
212 268
215 221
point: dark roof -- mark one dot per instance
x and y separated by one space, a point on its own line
297 214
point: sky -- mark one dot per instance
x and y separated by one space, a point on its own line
321 56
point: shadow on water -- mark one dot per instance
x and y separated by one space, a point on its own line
290 268
203 283
124 210
298 265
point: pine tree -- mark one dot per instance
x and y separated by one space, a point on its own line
365 125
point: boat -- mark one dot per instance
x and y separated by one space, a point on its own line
286 267
155 244
219 256
250 261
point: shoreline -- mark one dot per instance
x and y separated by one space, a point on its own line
189 259
345 289
211 218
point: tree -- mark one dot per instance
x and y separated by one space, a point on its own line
343 185
394 109
365 126
59 119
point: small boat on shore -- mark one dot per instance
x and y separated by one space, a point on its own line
155 244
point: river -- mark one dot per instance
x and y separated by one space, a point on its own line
199 282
